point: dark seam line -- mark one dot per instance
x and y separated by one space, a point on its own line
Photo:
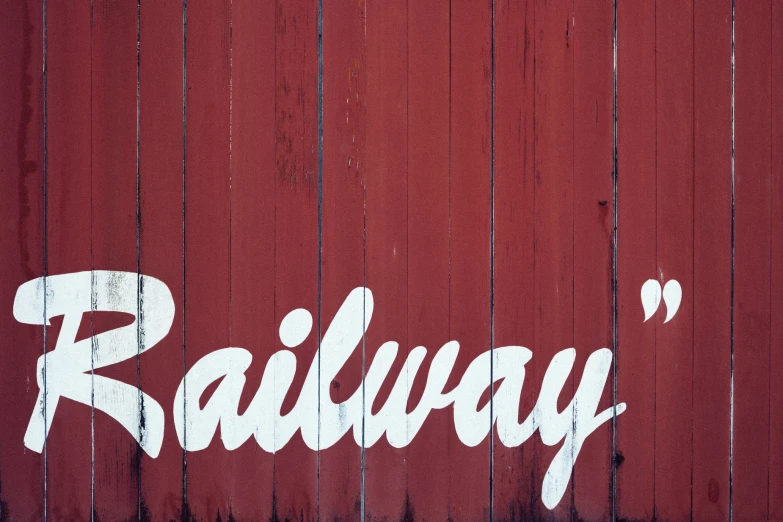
231 192
769 195
492 263
615 244
230 162
364 285
407 242
693 237
45 263
185 514
274 517
320 233
92 298
657 270
448 498
693 233
364 339
533 184
731 304
572 485
139 289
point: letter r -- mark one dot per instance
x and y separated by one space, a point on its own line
65 371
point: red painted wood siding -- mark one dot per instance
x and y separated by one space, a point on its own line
499 173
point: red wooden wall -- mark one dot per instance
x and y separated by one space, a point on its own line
499 173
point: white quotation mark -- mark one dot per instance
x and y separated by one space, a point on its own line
651 298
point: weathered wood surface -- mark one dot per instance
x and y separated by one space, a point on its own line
499 174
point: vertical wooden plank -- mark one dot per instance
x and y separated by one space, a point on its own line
554 212
636 258
712 259
752 233
207 229
514 270
252 221
470 240
776 273
674 189
68 239
22 244
296 226
387 234
593 225
428 242
116 455
161 245
342 241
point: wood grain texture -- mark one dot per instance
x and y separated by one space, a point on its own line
554 214
593 231
161 241
68 186
514 483
385 470
207 306
343 239
22 473
113 229
296 241
711 259
776 273
752 268
252 314
428 242
636 258
674 238
470 214
457 159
